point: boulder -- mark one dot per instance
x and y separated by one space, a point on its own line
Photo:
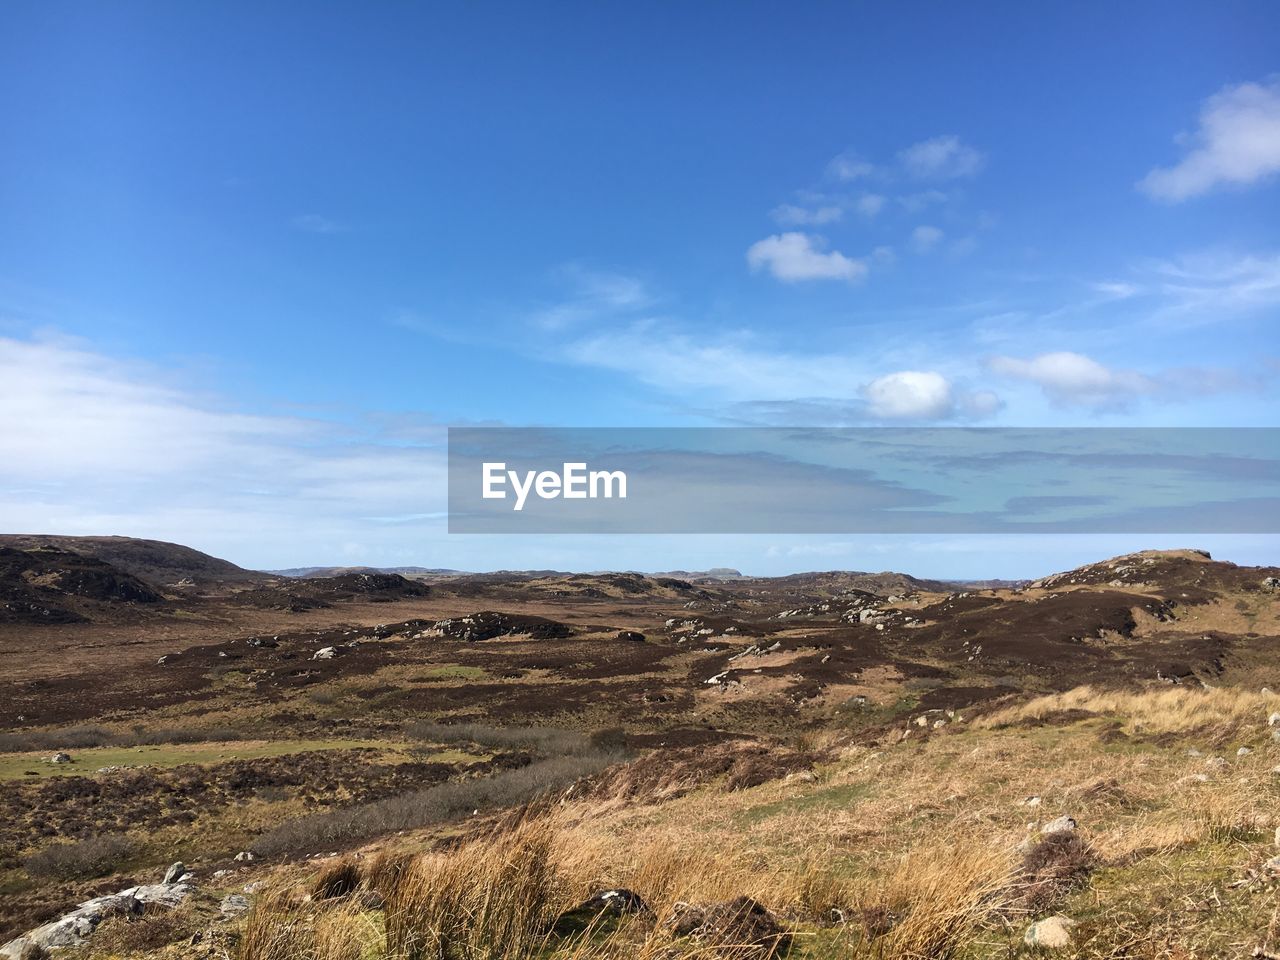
1059 825
60 758
1271 583
234 904
175 873
325 653
1052 933
75 928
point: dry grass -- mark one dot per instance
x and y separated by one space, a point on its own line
905 852
1173 709
282 925
495 898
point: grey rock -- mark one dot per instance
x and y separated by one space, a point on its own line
174 873
1059 825
233 905
1053 933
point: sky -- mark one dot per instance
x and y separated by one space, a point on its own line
255 258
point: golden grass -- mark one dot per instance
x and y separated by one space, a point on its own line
1171 709
904 852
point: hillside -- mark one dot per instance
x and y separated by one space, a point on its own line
154 561
897 770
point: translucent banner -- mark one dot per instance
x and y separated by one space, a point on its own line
863 480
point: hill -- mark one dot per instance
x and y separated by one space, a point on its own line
155 561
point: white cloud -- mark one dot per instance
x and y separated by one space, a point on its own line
1073 379
1237 142
925 238
792 257
942 158
592 294
910 395
95 445
790 215
849 166
1218 281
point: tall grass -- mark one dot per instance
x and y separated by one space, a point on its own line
284 926
496 899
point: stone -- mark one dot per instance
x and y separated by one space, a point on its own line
175 873
1273 720
1053 933
233 905
60 758
617 902
1059 825
325 653
1243 752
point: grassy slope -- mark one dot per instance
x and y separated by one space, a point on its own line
927 830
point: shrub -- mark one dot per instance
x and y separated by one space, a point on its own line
95 857
544 741
422 808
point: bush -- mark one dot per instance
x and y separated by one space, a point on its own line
84 859
544 741
428 806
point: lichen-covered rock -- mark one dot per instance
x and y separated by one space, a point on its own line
1052 933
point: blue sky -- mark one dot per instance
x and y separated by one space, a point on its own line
254 257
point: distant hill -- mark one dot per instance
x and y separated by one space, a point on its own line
155 561
307 572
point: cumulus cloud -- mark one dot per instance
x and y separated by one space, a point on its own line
925 238
793 257
1237 142
941 158
909 394
790 215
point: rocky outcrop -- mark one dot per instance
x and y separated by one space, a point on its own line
75 928
487 625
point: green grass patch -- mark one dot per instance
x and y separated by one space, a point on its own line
816 801
452 671
29 766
